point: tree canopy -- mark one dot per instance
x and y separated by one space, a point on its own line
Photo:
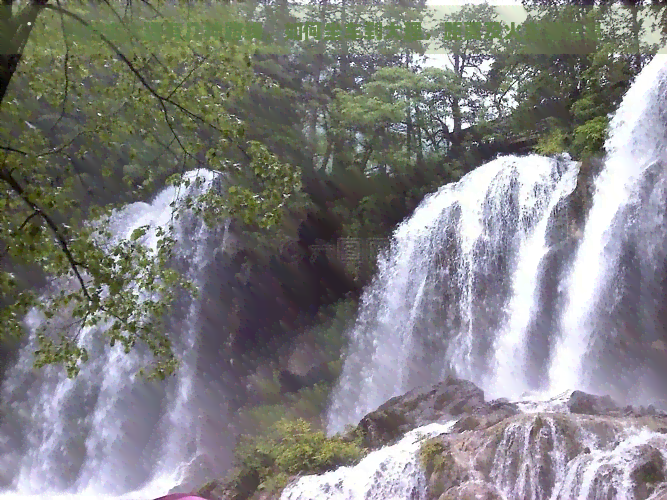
105 104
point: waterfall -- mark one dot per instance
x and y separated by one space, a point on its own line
457 289
627 217
488 279
392 473
108 433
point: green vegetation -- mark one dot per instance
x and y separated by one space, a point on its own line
333 323
152 110
290 447
351 134
433 455
308 403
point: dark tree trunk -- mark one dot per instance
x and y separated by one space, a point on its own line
15 30
8 65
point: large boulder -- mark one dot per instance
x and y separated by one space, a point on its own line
648 471
487 415
451 398
588 404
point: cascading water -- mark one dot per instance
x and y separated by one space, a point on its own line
627 217
469 282
441 291
108 433
392 473
487 279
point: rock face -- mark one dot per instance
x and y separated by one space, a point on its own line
472 491
450 398
584 448
587 404
648 471
495 451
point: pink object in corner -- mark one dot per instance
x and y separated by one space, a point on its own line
181 496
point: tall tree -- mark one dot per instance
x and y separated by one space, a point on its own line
118 83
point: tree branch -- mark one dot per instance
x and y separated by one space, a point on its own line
25 222
65 68
14 32
6 176
140 77
13 150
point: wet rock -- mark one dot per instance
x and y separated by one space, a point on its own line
450 398
445 466
660 493
383 426
588 404
241 487
197 473
603 486
500 452
219 490
496 451
641 411
467 423
495 411
472 491
648 472
484 445
266 496
527 447
214 490
487 415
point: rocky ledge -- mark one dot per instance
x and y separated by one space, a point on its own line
579 447
586 447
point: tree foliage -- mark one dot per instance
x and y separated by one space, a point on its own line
148 103
95 115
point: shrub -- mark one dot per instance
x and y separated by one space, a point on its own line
311 403
264 416
589 138
554 142
290 447
267 387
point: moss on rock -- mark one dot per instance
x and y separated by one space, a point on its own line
432 455
443 471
